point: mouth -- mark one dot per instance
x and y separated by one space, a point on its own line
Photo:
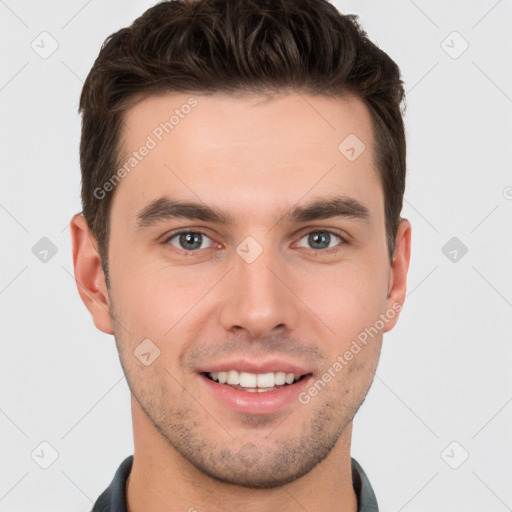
255 389
255 382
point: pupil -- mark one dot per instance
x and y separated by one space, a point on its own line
190 240
319 240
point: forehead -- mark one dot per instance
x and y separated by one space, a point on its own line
247 149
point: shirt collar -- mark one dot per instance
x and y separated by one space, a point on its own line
366 500
113 499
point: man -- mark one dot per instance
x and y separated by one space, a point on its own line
243 168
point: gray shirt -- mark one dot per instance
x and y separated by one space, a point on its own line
113 499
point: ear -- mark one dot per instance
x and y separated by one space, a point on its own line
89 276
397 286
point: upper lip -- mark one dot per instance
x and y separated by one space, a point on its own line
245 365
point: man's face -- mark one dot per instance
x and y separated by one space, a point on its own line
269 286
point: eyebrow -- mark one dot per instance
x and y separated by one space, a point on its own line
329 208
165 208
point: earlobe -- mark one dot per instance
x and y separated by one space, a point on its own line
398 275
89 276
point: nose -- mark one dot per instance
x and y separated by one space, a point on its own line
258 298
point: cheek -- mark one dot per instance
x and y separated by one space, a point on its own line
151 298
348 298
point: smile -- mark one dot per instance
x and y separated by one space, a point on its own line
254 382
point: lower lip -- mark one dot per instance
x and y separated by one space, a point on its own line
266 402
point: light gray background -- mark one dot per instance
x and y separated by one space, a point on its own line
445 372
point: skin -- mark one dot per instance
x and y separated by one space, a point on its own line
253 157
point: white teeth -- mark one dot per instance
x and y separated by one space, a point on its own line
233 378
254 382
265 380
280 378
248 380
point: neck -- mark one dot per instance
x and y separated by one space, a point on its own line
161 479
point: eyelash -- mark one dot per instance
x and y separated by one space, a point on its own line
330 250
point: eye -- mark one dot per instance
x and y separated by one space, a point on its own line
189 240
320 240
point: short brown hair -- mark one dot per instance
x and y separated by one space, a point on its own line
208 46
